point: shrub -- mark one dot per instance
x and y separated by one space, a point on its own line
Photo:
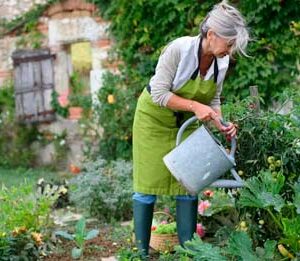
104 190
25 223
142 29
115 115
263 135
15 139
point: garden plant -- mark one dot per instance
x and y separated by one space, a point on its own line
260 221
80 236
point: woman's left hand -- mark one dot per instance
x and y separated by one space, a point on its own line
230 131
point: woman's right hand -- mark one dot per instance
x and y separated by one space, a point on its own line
206 113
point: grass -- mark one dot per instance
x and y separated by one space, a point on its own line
14 177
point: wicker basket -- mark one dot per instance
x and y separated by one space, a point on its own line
163 242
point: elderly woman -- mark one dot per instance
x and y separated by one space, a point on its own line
188 81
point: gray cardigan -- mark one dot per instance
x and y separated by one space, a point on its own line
175 66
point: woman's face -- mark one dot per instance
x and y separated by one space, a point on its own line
218 46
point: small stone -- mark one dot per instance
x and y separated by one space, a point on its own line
111 258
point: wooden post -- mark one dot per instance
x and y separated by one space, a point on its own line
254 93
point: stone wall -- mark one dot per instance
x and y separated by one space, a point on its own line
62 24
12 8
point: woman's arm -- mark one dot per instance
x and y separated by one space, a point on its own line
202 111
161 82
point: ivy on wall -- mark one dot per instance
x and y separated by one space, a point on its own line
275 49
21 22
142 28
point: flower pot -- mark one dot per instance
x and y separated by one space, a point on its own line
75 113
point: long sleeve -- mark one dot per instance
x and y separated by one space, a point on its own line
162 81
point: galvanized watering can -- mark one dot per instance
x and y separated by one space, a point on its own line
200 160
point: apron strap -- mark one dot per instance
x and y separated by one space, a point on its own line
195 73
216 71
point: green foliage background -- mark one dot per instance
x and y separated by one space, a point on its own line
141 29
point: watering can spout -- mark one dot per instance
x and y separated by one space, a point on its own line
200 160
224 183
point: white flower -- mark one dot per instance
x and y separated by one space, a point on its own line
62 190
62 142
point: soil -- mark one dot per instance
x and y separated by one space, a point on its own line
107 244
95 249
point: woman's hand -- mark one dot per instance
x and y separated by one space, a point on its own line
206 113
230 131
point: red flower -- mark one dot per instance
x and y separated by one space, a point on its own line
200 230
208 193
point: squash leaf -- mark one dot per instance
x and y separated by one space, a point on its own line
198 250
240 245
266 253
263 191
296 202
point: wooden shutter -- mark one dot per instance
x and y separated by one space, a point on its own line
34 84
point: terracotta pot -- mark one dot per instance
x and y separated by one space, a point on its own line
74 169
75 113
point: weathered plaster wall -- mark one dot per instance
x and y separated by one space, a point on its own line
62 25
11 8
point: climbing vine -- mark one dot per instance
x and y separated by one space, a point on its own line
21 24
142 28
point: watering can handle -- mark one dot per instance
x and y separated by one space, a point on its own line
193 119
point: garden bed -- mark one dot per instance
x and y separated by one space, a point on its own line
97 248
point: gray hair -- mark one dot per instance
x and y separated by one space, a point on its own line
227 22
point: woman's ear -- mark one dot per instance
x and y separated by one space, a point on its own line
210 34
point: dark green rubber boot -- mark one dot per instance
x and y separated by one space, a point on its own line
186 219
142 215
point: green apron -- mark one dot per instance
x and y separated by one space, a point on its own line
154 135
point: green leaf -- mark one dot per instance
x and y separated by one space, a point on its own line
291 227
221 201
267 253
80 227
272 200
262 192
76 253
296 202
92 234
165 228
200 251
64 234
240 245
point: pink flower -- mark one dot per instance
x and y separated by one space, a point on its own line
203 205
63 99
200 230
208 193
167 210
164 222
